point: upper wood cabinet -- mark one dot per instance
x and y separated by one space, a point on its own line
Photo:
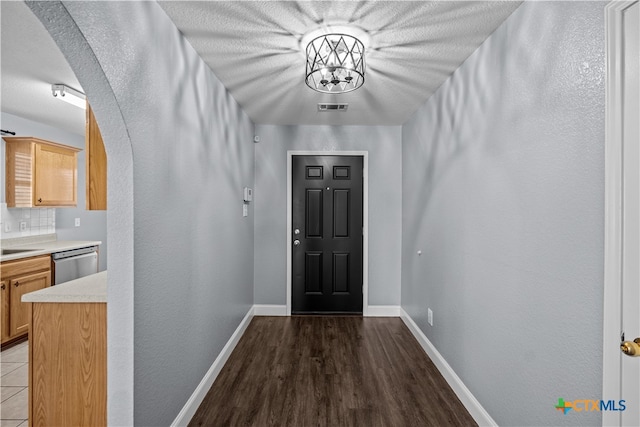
96 163
40 173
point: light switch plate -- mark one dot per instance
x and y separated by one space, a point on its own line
77 222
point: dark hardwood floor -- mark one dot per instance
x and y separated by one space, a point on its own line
330 371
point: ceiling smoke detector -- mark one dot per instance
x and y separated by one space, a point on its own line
332 107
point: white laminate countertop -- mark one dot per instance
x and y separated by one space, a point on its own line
46 248
91 288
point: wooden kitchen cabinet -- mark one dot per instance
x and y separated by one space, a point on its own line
68 366
18 278
4 305
40 173
96 164
19 311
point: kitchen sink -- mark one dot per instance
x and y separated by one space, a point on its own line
16 251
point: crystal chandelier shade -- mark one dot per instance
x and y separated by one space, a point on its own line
335 63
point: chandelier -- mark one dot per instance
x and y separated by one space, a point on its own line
335 63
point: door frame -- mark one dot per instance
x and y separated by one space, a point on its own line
613 226
365 219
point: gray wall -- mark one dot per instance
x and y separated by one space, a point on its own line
93 224
503 184
383 144
192 152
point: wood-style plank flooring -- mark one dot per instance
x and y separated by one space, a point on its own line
329 371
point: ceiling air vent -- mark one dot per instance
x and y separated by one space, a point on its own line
332 107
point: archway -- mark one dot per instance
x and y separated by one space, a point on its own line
64 31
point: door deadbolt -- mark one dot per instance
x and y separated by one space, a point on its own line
296 231
631 348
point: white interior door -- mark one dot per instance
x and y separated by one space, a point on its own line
621 373
630 296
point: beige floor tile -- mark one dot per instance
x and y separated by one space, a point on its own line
7 392
16 407
15 394
5 368
17 378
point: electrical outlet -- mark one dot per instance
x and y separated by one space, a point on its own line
245 210
77 222
430 316
23 225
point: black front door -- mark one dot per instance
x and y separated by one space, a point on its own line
327 234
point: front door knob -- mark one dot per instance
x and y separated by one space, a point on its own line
296 242
631 348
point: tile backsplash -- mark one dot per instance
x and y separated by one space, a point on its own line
23 222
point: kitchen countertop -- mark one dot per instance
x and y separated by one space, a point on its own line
45 246
91 288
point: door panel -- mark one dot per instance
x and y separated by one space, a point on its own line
313 273
630 367
314 208
341 213
341 273
327 253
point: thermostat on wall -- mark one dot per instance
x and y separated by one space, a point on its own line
248 194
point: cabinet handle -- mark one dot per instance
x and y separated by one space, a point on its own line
16 284
40 200
2 287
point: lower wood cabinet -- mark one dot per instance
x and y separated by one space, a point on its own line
68 365
18 278
19 315
4 306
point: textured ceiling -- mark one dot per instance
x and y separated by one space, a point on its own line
31 62
256 50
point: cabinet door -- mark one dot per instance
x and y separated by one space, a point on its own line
4 305
96 165
19 316
56 176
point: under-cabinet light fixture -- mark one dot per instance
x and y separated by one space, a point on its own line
72 96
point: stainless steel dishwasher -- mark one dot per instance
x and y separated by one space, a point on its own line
73 264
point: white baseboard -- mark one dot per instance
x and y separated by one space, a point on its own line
382 311
269 310
190 408
479 414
